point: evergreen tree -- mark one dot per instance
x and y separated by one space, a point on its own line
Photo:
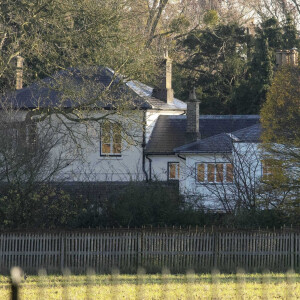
215 65
290 34
251 94
231 69
270 37
280 119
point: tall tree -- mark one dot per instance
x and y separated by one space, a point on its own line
270 36
280 118
290 35
215 65
52 35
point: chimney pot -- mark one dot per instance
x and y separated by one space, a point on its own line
19 72
279 57
165 92
294 57
287 57
192 114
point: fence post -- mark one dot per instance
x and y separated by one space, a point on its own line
292 250
216 248
16 277
1 250
62 251
139 248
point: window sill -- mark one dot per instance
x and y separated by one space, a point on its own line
111 156
214 183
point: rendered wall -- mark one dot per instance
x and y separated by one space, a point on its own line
246 158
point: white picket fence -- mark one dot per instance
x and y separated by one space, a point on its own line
176 250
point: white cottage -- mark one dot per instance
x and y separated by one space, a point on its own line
213 157
111 149
166 139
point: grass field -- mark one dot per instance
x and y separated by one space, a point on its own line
254 286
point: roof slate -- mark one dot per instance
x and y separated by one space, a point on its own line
78 86
145 91
250 134
220 143
169 133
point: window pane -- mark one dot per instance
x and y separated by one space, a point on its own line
211 173
105 133
267 169
117 134
31 134
200 173
219 174
172 171
111 139
116 148
105 149
229 173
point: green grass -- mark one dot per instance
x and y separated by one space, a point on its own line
254 286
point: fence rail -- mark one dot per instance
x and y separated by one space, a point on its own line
178 251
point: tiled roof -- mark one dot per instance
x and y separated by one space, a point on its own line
76 87
73 87
145 91
169 133
249 134
220 143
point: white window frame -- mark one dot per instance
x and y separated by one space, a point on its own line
21 135
215 172
111 141
266 169
177 170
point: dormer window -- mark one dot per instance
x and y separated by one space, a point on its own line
111 139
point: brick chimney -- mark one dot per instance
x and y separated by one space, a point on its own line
287 57
165 92
19 73
192 114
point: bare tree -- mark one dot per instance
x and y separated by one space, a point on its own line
31 151
279 9
237 179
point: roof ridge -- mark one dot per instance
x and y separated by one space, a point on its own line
203 140
218 117
245 128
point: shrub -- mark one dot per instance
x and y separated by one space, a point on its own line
43 206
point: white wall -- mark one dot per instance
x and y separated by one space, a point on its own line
83 152
93 167
152 116
160 165
247 167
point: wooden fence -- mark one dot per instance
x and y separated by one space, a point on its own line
126 250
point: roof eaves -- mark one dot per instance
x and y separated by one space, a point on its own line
185 146
203 152
158 153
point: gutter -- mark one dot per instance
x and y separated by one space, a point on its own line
181 157
144 146
150 167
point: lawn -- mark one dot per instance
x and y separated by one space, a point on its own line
248 286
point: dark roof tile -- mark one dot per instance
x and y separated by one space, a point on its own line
169 131
250 134
220 143
77 87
